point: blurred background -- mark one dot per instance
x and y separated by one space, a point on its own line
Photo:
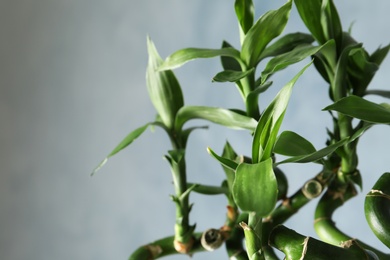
72 85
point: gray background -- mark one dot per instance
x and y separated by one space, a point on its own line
72 86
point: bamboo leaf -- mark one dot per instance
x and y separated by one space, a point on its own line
360 70
215 115
163 87
363 109
231 75
282 61
229 153
292 144
229 63
122 145
255 187
268 27
338 85
310 12
270 121
232 165
330 22
379 55
286 43
379 92
317 155
244 12
180 57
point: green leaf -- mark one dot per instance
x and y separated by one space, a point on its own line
363 109
180 57
216 115
282 61
325 61
330 22
230 164
229 63
339 84
230 154
379 55
310 12
382 93
207 189
122 145
253 95
322 20
360 70
292 144
244 12
231 75
315 156
163 87
268 27
255 187
270 121
286 43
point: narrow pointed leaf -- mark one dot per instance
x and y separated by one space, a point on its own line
286 43
310 12
255 187
180 57
330 22
229 63
230 154
271 119
315 156
338 85
360 70
268 27
379 55
216 115
224 161
231 75
363 109
244 12
282 61
163 87
292 144
379 92
123 144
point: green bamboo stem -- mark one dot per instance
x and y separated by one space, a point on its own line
296 246
163 247
335 196
377 209
290 206
233 244
183 230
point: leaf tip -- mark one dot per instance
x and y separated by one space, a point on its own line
101 164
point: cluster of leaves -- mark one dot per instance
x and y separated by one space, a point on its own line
254 185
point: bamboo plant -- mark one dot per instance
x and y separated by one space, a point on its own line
255 187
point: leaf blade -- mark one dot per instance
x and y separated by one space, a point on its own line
363 109
122 145
268 27
180 57
255 187
215 115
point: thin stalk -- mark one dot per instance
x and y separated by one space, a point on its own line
325 227
297 246
183 230
163 247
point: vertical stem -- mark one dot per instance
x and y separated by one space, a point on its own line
252 233
183 230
